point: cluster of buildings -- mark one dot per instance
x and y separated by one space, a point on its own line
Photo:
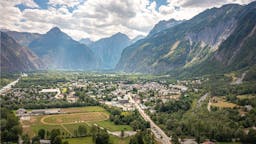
24 114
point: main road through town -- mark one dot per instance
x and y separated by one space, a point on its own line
9 86
158 132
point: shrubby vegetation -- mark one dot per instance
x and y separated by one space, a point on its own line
10 126
133 118
143 137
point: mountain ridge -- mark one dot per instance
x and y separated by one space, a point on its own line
60 51
184 45
15 57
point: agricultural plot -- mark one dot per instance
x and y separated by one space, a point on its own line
247 96
222 103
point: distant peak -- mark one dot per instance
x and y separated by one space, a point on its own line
55 29
119 33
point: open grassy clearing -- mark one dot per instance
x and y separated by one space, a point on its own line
84 109
64 90
222 103
247 96
111 126
72 127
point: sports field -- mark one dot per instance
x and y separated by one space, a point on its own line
71 120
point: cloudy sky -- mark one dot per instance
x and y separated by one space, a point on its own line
98 18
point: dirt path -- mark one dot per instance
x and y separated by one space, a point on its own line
239 80
203 98
209 106
65 129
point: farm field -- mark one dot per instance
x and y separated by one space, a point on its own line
247 96
222 103
71 120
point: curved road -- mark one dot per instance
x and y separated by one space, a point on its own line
158 132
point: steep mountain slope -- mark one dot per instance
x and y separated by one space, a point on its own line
162 25
59 51
239 49
15 58
137 38
209 37
109 49
23 38
86 41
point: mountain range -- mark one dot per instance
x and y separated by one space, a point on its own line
109 49
60 51
15 57
216 40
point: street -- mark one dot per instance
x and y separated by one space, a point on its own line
158 132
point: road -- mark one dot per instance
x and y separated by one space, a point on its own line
9 86
158 132
57 90
239 80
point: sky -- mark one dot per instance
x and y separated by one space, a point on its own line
97 19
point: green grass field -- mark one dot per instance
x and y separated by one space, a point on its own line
67 123
84 109
112 127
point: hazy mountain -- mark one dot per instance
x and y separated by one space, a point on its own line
218 37
23 38
109 49
139 37
60 51
162 25
15 57
86 41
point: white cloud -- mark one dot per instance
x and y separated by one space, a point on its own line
99 18
68 3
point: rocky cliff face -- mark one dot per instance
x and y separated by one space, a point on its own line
162 25
15 57
190 43
23 38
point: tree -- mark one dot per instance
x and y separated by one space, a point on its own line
54 133
94 130
36 140
122 133
10 127
102 137
251 137
175 139
41 133
26 139
82 131
137 139
65 142
57 140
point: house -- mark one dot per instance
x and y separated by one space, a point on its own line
43 141
45 111
21 112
